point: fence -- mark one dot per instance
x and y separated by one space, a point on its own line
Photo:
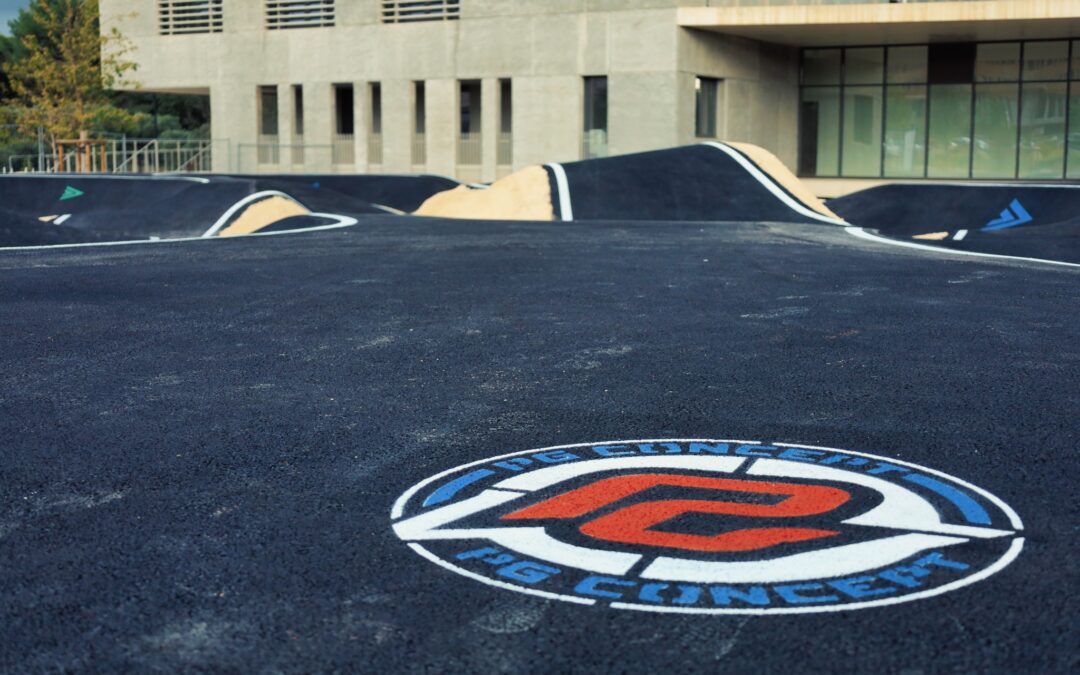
594 144
374 149
129 155
419 149
504 150
468 149
344 150
265 157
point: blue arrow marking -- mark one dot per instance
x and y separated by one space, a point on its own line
1012 216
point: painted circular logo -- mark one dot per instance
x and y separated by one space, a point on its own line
709 526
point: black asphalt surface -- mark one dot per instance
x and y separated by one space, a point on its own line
203 440
689 183
89 209
1038 221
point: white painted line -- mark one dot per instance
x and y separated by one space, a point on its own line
863 234
257 196
389 209
343 221
566 211
399 505
771 186
1011 554
960 234
60 220
86 176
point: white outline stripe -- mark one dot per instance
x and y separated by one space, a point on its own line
343 221
566 210
960 234
254 197
863 234
771 186
1014 517
1001 563
83 176
399 505
492 582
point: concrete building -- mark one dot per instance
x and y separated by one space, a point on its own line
845 92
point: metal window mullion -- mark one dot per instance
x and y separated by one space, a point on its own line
884 107
971 134
843 106
1068 106
1019 112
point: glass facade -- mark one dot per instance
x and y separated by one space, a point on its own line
995 110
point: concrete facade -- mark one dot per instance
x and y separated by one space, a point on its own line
651 51
545 47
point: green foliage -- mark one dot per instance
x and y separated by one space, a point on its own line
58 72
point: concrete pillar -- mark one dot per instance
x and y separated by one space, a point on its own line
318 126
234 113
489 127
442 126
286 126
397 127
547 119
642 111
361 123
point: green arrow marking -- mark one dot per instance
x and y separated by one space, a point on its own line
71 193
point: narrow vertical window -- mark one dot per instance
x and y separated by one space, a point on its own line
375 144
595 142
705 107
505 152
267 148
268 112
298 110
469 149
419 142
344 149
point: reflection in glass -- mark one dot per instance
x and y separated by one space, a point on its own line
821 128
1042 130
995 131
1046 60
864 65
1074 132
862 131
905 130
997 62
907 64
950 121
821 66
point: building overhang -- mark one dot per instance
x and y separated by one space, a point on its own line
887 23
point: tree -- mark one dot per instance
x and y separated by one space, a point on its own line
64 65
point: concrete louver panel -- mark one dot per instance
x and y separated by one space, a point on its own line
407 11
179 17
285 14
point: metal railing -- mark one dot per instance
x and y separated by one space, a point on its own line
344 149
419 149
374 149
469 148
504 150
250 157
296 152
269 150
594 144
129 155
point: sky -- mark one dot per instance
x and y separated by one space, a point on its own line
8 11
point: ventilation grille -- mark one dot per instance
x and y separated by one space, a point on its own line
284 14
408 11
179 17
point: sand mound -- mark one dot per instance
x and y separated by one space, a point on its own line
525 195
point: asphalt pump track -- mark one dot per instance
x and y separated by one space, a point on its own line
224 453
